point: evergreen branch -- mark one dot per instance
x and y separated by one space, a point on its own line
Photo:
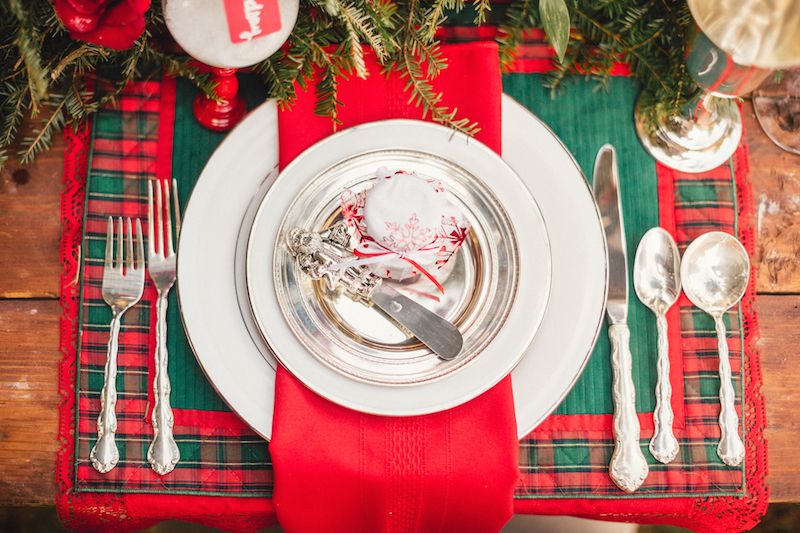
617 40
520 16
42 68
482 8
434 18
29 53
80 56
422 95
44 134
13 111
361 23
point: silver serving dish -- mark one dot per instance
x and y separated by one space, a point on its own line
360 341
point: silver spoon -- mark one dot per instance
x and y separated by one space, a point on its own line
657 281
715 272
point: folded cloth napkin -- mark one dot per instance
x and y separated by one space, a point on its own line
339 470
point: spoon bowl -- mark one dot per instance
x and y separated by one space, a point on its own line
715 272
656 271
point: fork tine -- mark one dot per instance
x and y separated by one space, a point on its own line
177 208
160 220
151 232
128 245
168 219
120 244
139 246
109 262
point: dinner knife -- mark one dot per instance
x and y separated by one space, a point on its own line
628 467
322 256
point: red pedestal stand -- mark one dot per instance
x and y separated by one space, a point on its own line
228 109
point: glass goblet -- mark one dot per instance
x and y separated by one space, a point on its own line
777 107
736 44
707 130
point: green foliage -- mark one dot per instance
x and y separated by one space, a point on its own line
555 21
52 80
648 35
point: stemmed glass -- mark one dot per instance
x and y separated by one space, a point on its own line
777 106
226 35
733 49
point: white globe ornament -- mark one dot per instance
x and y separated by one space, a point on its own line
227 35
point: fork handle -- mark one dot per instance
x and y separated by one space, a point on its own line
163 453
105 455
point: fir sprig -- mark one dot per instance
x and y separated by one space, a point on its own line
648 35
49 79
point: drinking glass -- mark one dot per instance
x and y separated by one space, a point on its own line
777 107
734 47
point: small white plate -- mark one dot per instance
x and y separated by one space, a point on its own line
243 371
476 175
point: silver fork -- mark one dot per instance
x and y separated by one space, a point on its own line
163 453
121 290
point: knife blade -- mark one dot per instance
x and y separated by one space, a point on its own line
442 337
628 467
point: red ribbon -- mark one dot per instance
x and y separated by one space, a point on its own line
410 261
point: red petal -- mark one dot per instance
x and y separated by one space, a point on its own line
88 7
73 20
125 12
116 37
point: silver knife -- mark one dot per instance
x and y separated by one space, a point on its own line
318 256
628 467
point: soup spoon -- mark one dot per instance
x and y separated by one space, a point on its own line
715 272
657 281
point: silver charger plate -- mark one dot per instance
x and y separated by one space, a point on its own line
361 341
333 347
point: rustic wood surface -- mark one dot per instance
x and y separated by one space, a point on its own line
29 313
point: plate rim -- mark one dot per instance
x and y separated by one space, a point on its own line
417 398
502 213
519 108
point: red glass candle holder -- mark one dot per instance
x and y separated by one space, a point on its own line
224 112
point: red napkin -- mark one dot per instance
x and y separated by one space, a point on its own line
338 470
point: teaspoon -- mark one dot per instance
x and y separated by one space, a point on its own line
657 281
715 272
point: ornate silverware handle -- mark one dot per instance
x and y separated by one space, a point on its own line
163 453
730 448
319 254
628 468
104 454
663 445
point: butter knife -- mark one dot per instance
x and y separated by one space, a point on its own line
318 256
628 467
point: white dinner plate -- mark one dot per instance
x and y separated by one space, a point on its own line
240 366
475 177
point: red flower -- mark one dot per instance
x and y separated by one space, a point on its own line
111 23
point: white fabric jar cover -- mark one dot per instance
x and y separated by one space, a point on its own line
405 225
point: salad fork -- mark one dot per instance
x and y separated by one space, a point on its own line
163 453
122 288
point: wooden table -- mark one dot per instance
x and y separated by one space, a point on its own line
29 315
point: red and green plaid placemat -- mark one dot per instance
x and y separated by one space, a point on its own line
563 463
